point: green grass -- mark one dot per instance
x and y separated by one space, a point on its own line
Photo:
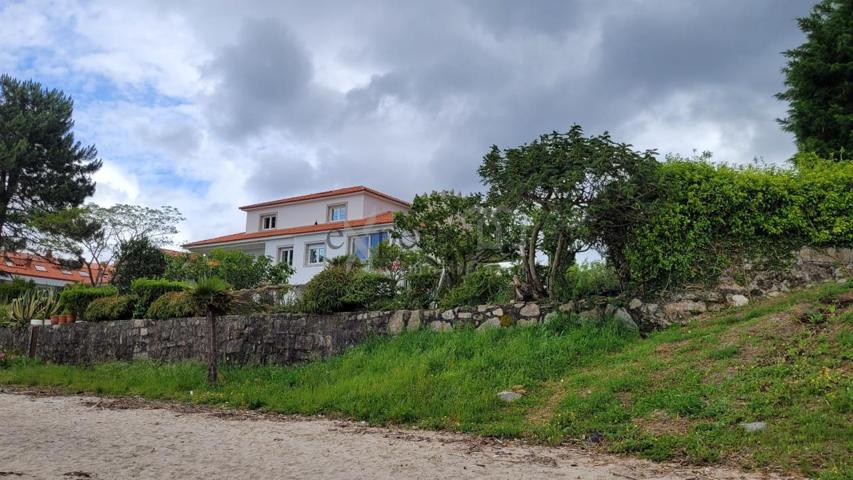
679 394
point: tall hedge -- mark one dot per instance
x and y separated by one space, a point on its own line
150 289
76 298
709 217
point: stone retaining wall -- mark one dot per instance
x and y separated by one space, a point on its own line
290 338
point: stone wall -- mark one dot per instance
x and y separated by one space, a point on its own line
291 338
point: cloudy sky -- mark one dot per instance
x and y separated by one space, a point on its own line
208 105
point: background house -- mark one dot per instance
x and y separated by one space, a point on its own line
305 230
44 271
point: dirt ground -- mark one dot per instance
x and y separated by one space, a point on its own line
72 437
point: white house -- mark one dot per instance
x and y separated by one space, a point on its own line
306 230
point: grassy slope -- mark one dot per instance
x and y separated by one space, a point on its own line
680 394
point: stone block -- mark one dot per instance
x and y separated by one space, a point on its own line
529 310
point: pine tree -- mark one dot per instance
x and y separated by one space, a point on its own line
819 81
42 167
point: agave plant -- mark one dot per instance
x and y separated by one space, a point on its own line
49 303
25 308
33 305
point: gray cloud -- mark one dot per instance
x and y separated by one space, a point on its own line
430 86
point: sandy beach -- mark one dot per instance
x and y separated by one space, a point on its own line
68 437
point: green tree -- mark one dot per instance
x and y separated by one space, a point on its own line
239 269
42 167
457 232
137 258
819 81
548 185
91 235
213 296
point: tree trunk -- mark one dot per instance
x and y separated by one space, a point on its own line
556 264
536 288
212 354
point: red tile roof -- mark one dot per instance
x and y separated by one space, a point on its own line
326 194
18 263
381 219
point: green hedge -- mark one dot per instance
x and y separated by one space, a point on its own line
709 217
15 288
342 288
486 285
76 298
119 307
150 289
172 305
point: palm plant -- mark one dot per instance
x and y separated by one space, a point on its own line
213 296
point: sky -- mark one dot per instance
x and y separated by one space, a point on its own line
208 105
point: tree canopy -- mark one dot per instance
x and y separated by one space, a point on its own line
549 185
43 168
819 81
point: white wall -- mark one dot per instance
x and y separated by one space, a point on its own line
376 205
337 244
306 213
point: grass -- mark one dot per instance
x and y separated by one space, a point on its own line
680 394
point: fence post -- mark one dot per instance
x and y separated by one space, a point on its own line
34 335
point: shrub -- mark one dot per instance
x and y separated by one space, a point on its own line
16 288
77 298
239 269
150 289
590 279
119 307
368 290
420 286
485 285
137 258
173 305
324 292
345 286
707 218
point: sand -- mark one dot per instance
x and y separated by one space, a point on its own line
73 437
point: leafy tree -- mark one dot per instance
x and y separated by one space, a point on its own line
211 295
239 269
457 232
548 185
42 167
91 235
819 81
137 258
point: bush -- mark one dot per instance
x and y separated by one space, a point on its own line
14 289
150 289
707 218
173 305
77 298
137 258
346 287
239 269
486 285
368 290
420 288
590 279
119 307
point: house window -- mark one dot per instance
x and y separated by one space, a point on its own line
337 213
285 255
361 245
267 222
84 274
41 268
316 254
10 263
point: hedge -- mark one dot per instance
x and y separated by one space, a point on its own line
711 217
119 307
172 305
75 299
150 289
